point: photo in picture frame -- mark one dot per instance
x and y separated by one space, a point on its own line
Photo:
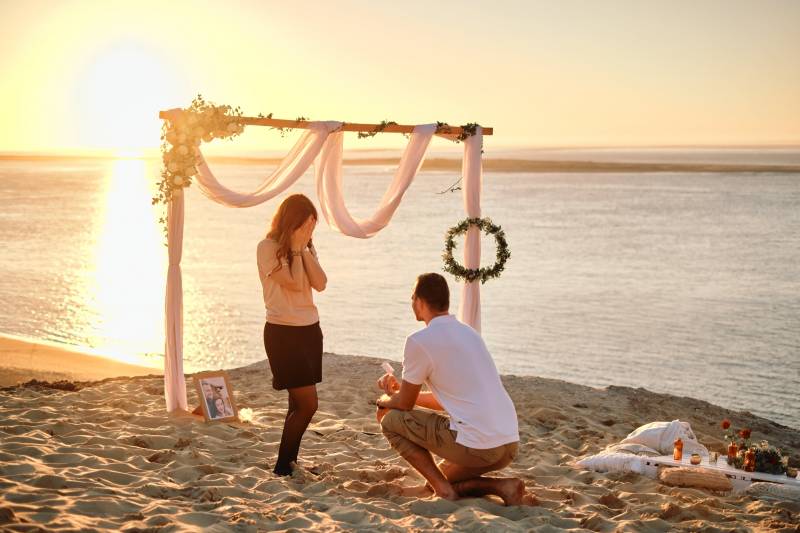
216 396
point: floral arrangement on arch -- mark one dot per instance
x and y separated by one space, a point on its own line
181 135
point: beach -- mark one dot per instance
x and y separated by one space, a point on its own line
106 455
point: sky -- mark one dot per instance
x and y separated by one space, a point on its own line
86 75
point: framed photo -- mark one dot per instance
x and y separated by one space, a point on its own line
216 396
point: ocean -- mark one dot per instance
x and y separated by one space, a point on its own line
679 282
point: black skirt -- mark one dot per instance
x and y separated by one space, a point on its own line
294 354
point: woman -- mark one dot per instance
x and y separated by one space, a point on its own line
289 270
222 409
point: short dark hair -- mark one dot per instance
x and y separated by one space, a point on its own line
432 288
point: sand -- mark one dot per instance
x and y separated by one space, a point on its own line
107 456
22 360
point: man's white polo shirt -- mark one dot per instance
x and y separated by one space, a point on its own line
453 361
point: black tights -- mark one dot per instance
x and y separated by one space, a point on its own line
302 406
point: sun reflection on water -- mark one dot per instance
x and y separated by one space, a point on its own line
130 265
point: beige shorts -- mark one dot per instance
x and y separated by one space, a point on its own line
406 430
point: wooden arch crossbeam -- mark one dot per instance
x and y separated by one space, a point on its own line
346 126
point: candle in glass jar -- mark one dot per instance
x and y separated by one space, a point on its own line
733 449
749 460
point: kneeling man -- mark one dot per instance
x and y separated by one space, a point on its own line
480 433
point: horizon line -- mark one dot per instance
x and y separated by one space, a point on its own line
146 152
499 164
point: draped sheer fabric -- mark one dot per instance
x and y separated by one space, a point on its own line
321 144
289 170
330 184
174 382
472 172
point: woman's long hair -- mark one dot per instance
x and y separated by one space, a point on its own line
291 214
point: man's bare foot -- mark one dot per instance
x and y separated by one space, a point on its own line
448 493
512 491
444 490
418 491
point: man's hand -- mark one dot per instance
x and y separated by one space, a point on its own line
388 384
381 411
383 401
404 399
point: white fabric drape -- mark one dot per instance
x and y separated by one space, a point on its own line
330 187
323 143
289 170
472 173
174 382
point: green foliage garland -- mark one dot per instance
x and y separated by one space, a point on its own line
379 128
284 131
471 274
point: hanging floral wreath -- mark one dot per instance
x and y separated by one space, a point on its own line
182 133
471 274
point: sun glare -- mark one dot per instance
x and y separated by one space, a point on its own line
130 267
119 96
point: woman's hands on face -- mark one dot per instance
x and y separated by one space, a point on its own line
309 225
302 235
312 225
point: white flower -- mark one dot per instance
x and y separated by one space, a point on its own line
172 167
183 150
177 181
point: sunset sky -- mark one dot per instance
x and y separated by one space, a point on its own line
93 75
